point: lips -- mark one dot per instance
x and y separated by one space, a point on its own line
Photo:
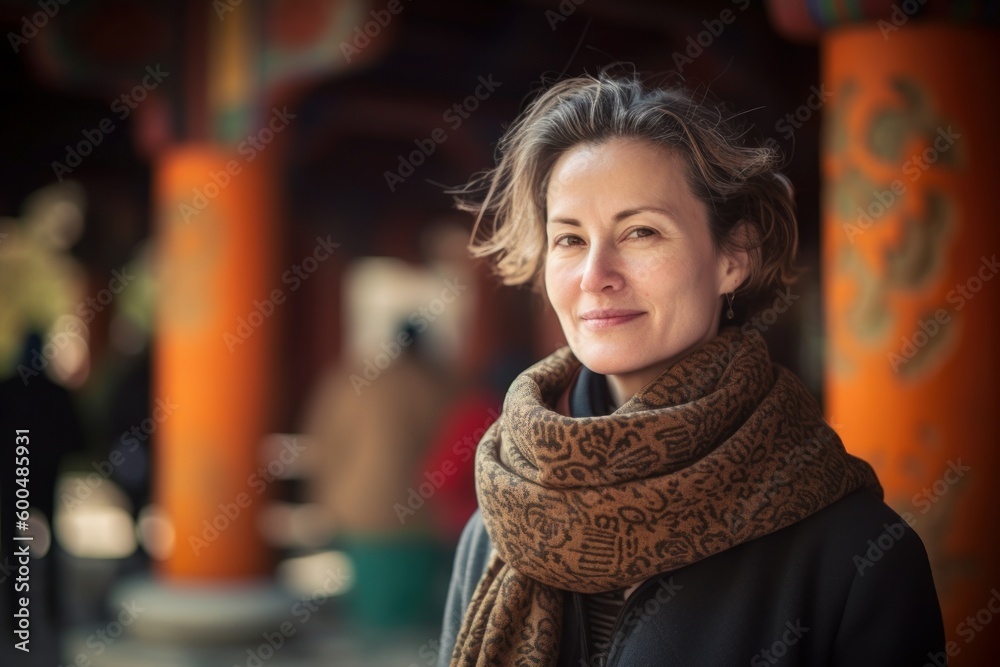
609 317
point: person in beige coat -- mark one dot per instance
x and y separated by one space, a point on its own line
367 439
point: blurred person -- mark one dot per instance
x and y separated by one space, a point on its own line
658 492
366 442
41 282
47 411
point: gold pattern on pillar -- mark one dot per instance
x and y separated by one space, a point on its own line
909 255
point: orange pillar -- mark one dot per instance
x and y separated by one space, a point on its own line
910 244
216 236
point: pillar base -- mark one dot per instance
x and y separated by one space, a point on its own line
199 612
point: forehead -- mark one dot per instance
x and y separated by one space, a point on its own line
628 171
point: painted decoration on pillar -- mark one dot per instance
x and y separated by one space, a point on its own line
896 229
909 260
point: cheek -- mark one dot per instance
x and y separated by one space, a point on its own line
555 283
677 285
667 276
701 283
548 280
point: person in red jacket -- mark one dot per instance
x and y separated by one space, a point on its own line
449 465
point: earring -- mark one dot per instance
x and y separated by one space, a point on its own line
729 313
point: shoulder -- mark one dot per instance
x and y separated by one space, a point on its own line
855 552
854 574
860 521
880 543
872 576
848 538
471 558
857 512
473 547
891 613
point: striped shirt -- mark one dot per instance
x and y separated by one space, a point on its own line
602 611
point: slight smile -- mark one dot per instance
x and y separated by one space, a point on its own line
609 317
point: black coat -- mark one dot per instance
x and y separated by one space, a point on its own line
847 587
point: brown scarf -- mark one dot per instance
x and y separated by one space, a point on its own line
722 448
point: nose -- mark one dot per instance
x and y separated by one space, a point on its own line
602 273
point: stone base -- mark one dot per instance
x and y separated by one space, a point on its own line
324 641
155 610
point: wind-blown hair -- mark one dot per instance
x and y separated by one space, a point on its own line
738 183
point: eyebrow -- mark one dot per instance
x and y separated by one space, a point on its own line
618 217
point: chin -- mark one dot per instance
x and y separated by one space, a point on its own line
607 362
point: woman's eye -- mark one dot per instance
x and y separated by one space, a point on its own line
641 232
568 240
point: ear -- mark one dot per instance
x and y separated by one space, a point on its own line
734 265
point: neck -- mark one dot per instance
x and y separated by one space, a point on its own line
621 390
624 386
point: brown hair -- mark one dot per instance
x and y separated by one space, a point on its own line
738 183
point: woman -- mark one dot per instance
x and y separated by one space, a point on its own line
659 493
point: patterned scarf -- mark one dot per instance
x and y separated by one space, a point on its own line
722 448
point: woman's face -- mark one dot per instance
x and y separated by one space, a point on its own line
630 266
